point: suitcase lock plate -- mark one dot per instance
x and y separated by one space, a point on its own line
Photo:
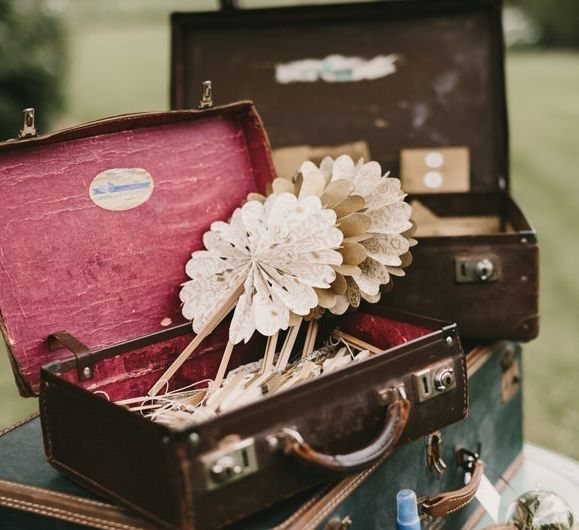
476 269
229 464
434 380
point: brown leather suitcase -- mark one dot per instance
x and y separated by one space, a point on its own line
33 495
89 292
408 81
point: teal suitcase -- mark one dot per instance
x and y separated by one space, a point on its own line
34 496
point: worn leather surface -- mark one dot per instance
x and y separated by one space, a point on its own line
160 474
369 498
22 461
109 276
448 90
395 421
371 504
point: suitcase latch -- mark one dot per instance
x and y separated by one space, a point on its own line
29 126
231 463
434 380
476 269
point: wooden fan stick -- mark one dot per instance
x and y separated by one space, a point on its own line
354 341
215 320
222 367
311 335
288 346
269 355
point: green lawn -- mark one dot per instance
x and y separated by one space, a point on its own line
121 66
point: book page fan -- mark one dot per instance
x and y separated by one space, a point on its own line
323 241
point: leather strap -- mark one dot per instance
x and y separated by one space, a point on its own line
395 421
78 510
449 502
82 353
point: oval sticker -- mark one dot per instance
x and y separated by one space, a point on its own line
121 188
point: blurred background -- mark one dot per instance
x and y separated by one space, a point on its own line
79 60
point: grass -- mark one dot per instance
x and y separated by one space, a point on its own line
119 66
544 107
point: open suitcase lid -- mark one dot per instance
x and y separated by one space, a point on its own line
428 74
101 254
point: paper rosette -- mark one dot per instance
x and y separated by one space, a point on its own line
375 221
281 251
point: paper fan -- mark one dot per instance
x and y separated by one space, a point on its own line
281 250
267 262
374 219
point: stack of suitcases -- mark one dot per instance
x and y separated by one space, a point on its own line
417 86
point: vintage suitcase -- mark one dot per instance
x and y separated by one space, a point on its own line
33 495
87 287
421 86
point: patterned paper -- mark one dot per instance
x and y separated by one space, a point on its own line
282 250
374 219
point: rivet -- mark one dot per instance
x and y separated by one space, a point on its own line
273 442
87 372
449 340
166 440
194 439
524 278
524 240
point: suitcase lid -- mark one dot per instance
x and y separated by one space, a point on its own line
445 87
101 254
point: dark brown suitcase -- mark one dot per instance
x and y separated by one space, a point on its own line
447 89
86 291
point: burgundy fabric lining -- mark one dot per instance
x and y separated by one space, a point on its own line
132 374
380 331
106 277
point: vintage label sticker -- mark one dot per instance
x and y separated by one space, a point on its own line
336 69
121 188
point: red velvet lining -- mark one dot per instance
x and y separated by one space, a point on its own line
132 374
110 276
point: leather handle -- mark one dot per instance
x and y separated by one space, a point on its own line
449 502
395 421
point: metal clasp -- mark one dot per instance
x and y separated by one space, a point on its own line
474 269
206 101
434 380
434 458
29 127
231 463
467 459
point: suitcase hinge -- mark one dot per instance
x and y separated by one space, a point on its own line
29 126
82 353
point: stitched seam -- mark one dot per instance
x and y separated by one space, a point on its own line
183 477
46 420
18 424
304 508
464 384
361 477
347 490
58 513
79 500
